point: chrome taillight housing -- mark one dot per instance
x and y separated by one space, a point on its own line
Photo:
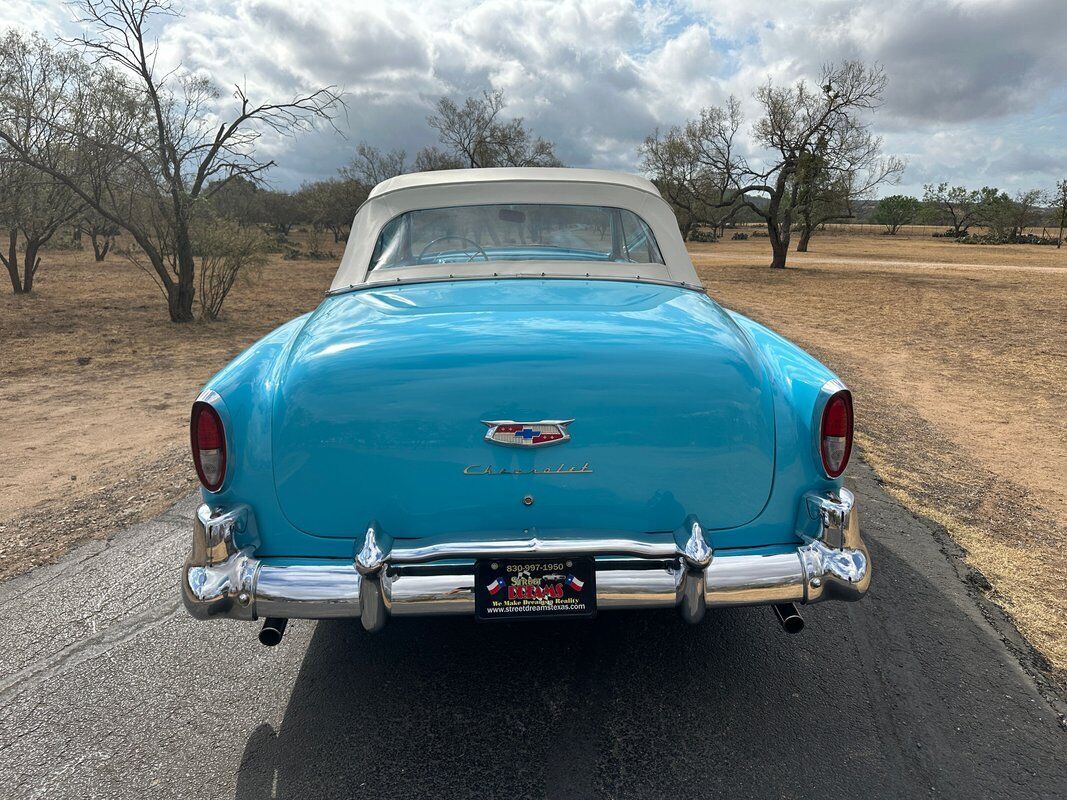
835 433
209 445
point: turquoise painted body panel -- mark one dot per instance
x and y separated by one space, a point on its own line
372 408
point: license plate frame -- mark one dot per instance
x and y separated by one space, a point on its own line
556 587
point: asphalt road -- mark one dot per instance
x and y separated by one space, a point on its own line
108 689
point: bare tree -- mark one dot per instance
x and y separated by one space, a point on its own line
33 204
227 252
240 199
371 166
332 204
101 232
1059 206
475 133
1027 210
281 211
811 139
672 159
842 170
957 206
157 132
433 158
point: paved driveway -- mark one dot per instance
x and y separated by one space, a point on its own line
108 689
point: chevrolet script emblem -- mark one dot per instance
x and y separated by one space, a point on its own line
527 434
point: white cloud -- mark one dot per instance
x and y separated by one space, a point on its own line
976 86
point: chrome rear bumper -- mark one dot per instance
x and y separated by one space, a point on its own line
387 579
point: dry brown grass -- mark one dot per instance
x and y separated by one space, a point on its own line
956 354
95 389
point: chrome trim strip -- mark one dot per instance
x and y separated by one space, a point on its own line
534 546
525 276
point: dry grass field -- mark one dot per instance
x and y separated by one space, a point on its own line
956 353
957 356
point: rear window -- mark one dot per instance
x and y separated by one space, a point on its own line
518 232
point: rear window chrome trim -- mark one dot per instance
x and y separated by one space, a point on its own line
525 276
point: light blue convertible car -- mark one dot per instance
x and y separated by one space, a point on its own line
516 401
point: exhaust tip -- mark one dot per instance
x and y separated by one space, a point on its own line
272 631
789 618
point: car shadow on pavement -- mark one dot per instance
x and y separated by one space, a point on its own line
878 698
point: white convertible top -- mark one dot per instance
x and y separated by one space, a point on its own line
508 185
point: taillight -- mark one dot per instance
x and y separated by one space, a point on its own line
209 446
835 433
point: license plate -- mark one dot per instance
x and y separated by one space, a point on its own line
526 588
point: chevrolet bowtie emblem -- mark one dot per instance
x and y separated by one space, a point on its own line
527 434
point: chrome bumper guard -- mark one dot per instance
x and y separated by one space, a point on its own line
221 579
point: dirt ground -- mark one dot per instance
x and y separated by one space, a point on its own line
95 390
956 354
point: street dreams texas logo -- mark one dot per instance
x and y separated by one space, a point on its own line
534 589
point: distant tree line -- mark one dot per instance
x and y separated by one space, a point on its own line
1004 218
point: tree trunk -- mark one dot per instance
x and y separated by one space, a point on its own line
779 234
180 302
805 237
30 262
779 245
100 250
780 220
11 261
180 294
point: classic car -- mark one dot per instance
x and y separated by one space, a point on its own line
517 401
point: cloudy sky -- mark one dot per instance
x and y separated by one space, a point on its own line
977 93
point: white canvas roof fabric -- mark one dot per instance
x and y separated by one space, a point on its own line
508 185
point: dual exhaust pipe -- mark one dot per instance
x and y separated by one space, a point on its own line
272 631
787 614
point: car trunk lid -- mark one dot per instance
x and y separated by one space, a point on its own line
382 408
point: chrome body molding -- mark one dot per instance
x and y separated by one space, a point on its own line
220 576
223 578
452 278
